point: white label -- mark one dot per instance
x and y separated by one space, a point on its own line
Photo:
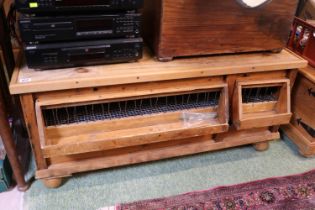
25 80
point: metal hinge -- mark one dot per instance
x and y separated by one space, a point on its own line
311 92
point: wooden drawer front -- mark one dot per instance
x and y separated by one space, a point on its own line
304 107
98 125
262 103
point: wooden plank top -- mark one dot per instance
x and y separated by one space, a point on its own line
27 80
309 73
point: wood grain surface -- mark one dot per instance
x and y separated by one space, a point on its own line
67 165
27 80
202 27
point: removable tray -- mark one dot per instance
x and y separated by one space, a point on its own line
130 115
262 103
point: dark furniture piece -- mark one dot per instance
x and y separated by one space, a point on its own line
6 70
10 147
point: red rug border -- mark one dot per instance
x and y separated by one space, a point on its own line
222 187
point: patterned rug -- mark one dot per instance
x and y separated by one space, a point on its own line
284 193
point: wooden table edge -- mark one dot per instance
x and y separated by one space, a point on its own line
16 87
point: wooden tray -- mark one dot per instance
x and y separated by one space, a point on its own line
91 136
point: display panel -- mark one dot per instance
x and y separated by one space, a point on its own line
82 2
86 57
94 25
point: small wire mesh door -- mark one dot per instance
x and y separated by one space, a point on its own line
259 104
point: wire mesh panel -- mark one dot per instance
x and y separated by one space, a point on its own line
129 108
263 94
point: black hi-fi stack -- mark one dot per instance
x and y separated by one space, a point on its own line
73 33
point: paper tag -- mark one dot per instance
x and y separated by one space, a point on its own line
25 80
33 4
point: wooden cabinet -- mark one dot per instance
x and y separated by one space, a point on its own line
91 118
302 128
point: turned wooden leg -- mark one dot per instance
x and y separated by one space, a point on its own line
10 147
52 183
262 146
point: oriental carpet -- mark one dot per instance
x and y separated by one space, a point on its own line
284 193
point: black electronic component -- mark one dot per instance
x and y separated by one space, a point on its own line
64 28
43 6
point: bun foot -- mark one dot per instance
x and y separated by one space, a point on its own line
52 183
262 146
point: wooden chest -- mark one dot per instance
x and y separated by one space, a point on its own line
302 128
203 27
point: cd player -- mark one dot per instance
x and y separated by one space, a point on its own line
74 54
64 28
